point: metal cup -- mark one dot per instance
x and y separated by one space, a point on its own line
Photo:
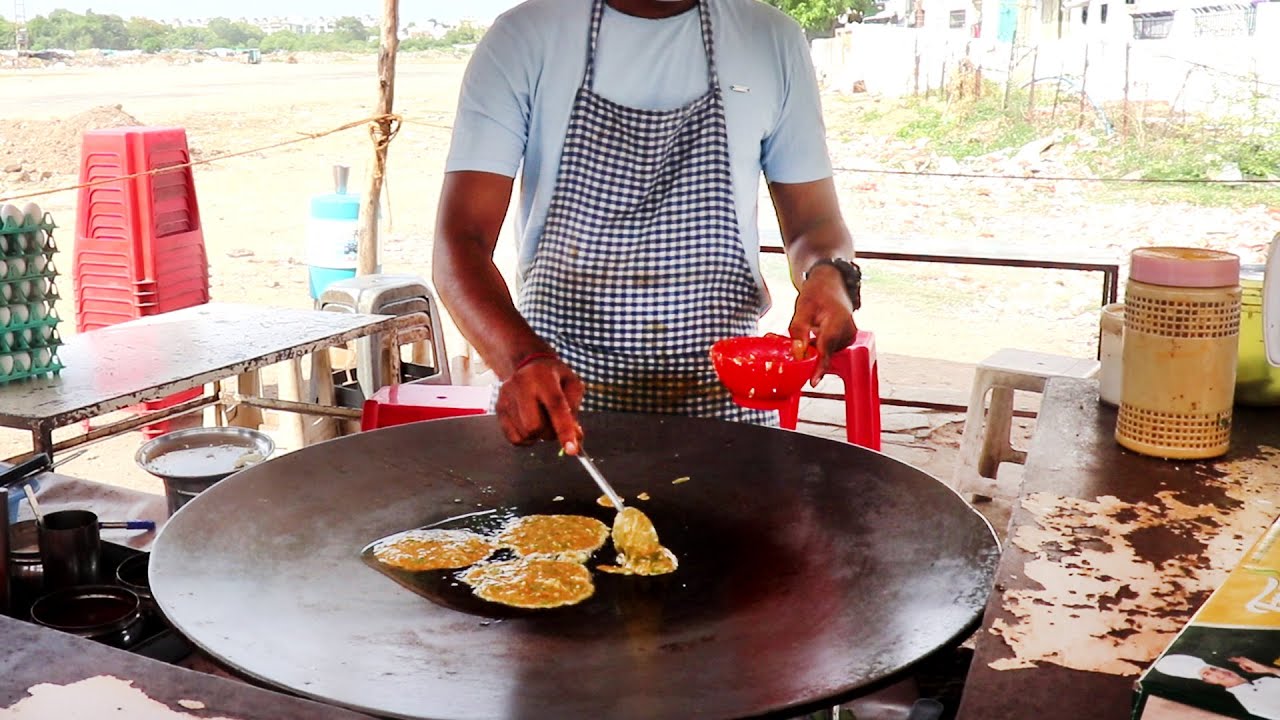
70 549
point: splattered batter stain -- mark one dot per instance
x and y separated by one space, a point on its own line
1099 573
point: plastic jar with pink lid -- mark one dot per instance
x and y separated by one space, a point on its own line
1181 343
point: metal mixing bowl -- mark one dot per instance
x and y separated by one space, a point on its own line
197 475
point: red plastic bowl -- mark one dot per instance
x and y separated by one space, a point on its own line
762 373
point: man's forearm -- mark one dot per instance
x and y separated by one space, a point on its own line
827 239
811 224
478 300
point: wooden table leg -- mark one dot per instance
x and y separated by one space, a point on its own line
290 387
42 440
303 430
219 410
248 384
319 429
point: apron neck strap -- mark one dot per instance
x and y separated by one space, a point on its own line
708 44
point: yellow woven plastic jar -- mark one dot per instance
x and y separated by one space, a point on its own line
1181 344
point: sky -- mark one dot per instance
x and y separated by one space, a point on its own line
447 11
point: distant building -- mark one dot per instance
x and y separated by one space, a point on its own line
1119 20
432 29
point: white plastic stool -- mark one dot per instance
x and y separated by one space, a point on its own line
389 295
986 441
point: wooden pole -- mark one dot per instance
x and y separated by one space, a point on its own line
916 93
382 132
1084 86
1031 92
1008 77
1057 89
1173 109
1124 131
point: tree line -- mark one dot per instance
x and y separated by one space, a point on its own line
65 30
818 17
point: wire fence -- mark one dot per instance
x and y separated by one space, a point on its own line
1214 72
369 122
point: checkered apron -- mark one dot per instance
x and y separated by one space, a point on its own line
640 268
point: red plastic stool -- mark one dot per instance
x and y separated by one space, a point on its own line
857 367
401 404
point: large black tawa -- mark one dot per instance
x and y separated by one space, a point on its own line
810 570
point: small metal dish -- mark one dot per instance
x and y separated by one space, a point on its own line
106 613
132 574
191 461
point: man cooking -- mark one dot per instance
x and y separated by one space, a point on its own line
640 129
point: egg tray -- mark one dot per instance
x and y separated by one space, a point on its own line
53 368
46 224
9 251
11 292
11 349
29 338
40 336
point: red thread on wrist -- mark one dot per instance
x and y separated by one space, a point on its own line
533 358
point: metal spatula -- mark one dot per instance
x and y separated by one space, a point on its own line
596 475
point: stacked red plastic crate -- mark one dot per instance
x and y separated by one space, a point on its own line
139 247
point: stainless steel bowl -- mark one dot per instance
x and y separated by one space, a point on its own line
106 613
191 461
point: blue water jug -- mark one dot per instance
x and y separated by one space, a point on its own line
333 230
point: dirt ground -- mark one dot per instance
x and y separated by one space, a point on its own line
932 322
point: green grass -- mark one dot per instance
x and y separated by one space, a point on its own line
969 129
1161 149
1190 151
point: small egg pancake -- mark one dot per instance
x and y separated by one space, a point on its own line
533 583
557 537
422 550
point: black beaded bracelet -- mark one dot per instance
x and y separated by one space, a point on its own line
851 273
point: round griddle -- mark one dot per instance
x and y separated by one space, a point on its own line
810 570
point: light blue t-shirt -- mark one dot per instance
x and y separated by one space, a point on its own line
520 85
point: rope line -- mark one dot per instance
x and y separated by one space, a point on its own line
384 128
1058 178
391 121
1251 79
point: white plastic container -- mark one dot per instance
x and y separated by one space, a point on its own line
1111 375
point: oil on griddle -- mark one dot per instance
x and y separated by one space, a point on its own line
570 532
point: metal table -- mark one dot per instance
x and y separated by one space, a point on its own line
32 655
811 572
1109 553
118 367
